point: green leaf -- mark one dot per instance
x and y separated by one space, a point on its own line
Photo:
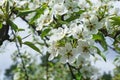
20 29
45 32
19 40
7 6
100 53
100 37
115 20
117 58
13 25
39 11
118 38
89 2
75 15
31 45
61 42
25 12
116 46
78 76
1 25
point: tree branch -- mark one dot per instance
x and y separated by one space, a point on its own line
73 76
47 68
19 54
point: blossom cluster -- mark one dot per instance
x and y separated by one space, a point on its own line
69 26
74 38
72 24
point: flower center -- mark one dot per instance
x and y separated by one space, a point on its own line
85 49
69 54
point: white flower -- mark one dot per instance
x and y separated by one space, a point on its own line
59 9
83 4
108 26
82 60
92 24
2 2
45 19
16 76
51 3
34 4
88 71
59 1
113 7
67 16
71 5
68 54
113 11
53 50
58 34
85 49
85 72
78 31
21 3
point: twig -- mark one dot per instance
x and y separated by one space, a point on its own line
73 76
19 54
26 36
112 48
47 77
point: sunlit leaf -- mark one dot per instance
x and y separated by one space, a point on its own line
115 20
118 38
100 53
20 29
31 45
7 6
116 46
19 40
117 58
25 12
78 76
13 25
100 37
0 25
39 11
45 32
88 1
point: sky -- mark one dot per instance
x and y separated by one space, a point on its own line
8 48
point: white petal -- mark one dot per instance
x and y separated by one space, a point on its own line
51 57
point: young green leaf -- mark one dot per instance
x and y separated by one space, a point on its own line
39 11
7 6
118 38
115 20
20 29
31 45
78 76
100 53
100 37
117 58
0 25
19 40
89 2
45 32
75 15
13 25
25 12
116 46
